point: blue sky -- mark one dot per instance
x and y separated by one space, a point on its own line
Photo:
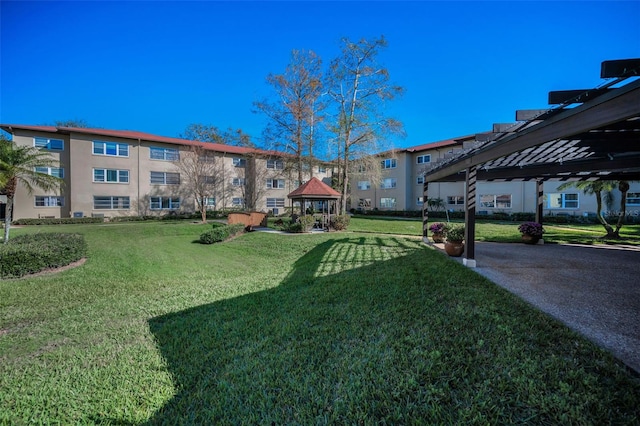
158 66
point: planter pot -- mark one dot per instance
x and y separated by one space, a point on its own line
454 248
437 237
530 239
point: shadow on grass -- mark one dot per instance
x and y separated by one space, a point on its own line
369 330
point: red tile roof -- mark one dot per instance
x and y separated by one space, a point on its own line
135 135
314 188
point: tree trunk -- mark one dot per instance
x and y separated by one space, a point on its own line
601 218
623 186
7 219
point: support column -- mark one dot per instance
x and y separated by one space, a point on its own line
425 213
470 220
540 205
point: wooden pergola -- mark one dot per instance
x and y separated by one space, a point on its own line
591 134
316 190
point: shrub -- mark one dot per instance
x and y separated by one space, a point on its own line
28 254
295 227
454 233
341 222
58 221
531 228
221 233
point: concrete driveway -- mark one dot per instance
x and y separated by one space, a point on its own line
595 290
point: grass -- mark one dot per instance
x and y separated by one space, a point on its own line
292 329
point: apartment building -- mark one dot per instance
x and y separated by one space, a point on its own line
400 187
127 173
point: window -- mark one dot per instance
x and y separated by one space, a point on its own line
562 200
633 198
423 159
364 202
46 143
388 203
111 149
275 183
207 157
237 201
420 201
456 200
49 201
53 171
165 178
275 164
322 169
363 185
389 163
167 154
496 201
238 182
388 183
210 201
164 203
239 162
420 180
275 202
111 175
208 180
110 203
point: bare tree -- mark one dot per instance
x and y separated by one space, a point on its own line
295 116
200 171
208 133
359 87
79 123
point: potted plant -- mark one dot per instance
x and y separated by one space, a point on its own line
437 230
454 245
531 232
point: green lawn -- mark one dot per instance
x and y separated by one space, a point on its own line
338 328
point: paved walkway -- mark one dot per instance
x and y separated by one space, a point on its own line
595 290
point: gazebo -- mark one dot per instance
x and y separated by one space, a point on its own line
316 190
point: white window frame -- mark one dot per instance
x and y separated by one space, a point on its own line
51 171
275 202
238 181
164 178
164 203
633 198
493 201
275 164
389 163
322 169
102 148
423 159
164 154
364 185
48 201
455 200
112 202
420 201
389 183
420 180
122 176
563 201
275 184
46 143
239 162
388 202
237 201
210 201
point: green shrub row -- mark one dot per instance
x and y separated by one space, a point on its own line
58 221
221 233
28 254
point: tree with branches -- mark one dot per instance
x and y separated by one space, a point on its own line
296 114
359 87
18 165
208 133
200 170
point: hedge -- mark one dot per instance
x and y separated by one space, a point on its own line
221 233
58 221
28 254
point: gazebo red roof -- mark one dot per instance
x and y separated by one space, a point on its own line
314 188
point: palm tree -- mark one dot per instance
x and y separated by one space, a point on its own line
597 188
18 165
